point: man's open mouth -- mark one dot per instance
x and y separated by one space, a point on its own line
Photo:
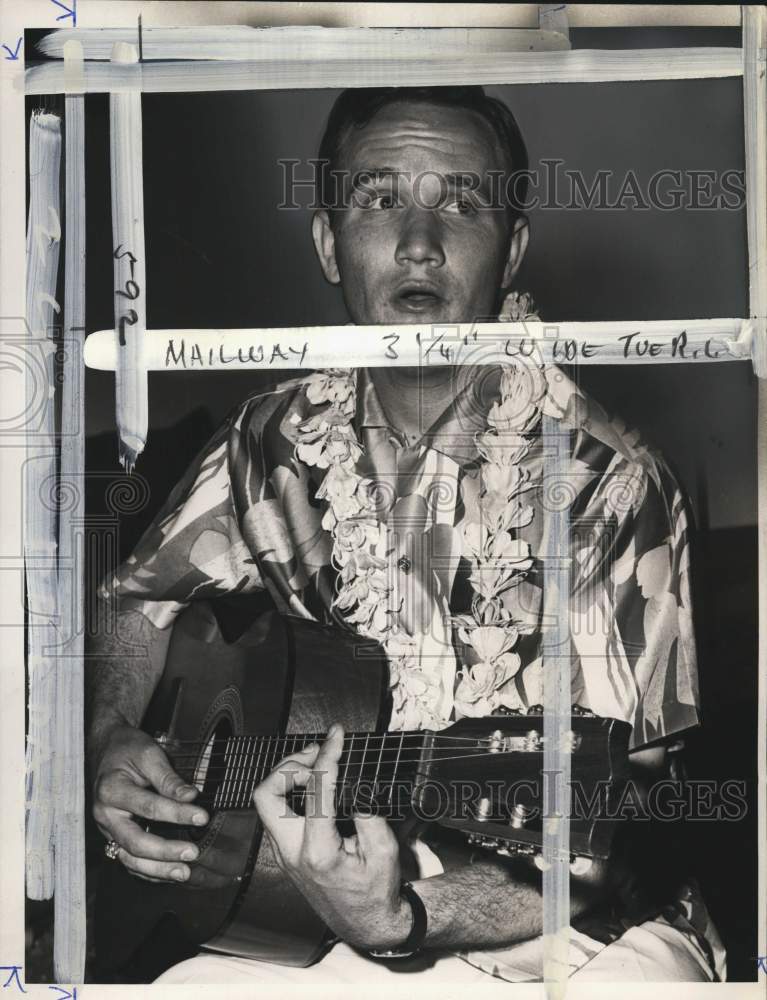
418 297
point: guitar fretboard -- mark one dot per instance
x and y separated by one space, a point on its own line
374 769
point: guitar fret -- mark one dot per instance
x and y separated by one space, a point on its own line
274 754
221 790
233 779
239 760
246 775
257 776
254 780
364 760
396 765
268 746
342 785
231 749
244 765
378 768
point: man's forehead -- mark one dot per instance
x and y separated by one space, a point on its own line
423 131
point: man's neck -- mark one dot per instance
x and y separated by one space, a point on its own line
414 398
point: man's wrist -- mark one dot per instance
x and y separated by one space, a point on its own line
408 930
104 722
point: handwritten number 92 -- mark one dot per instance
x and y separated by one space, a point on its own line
131 291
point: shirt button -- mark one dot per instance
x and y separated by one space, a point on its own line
404 564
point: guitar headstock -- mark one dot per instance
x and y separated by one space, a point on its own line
486 777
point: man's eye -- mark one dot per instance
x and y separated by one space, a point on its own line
461 206
383 201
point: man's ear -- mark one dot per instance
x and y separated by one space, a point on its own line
520 237
325 245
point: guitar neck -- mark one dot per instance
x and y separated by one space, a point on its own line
376 770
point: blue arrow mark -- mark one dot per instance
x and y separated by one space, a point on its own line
65 994
13 977
68 11
12 54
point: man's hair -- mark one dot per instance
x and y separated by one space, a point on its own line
356 107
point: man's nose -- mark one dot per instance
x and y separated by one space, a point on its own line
421 238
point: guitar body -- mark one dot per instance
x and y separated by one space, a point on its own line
279 675
232 688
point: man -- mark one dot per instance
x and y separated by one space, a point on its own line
412 505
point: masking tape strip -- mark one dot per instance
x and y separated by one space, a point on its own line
69 899
40 496
129 260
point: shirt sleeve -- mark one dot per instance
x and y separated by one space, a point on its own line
193 549
631 610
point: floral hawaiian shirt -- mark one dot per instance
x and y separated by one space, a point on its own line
246 517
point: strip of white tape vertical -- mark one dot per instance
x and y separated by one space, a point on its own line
761 446
556 709
129 264
755 132
40 495
69 898
553 17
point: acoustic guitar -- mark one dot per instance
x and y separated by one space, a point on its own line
234 701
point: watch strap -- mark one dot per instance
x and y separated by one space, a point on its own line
415 939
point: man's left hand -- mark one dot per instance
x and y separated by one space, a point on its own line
353 883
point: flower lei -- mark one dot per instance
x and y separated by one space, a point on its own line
361 553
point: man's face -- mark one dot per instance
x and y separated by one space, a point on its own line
412 244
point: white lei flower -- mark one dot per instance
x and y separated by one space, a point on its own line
361 551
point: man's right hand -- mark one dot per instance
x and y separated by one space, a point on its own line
133 780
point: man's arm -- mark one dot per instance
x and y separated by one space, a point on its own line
353 883
125 660
491 903
131 775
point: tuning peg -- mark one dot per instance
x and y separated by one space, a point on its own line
532 740
579 865
519 816
480 840
510 850
483 809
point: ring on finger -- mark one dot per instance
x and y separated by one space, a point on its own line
112 849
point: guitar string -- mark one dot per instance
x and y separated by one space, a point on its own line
227 774
351 736
229 750
412 760
362 754
226 757
238 758
341 800
354 782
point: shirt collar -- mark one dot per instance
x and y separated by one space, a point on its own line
452 434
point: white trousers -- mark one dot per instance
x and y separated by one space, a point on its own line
653 952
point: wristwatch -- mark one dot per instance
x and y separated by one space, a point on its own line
414 941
